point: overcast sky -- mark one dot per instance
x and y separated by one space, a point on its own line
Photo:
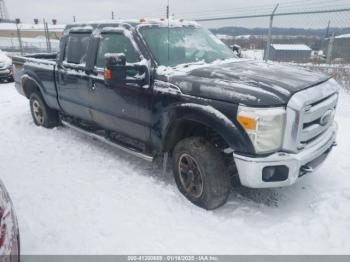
64 10
85 10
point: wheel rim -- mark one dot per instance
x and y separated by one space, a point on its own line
190 176
38 112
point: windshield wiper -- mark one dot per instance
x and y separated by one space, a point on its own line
201 62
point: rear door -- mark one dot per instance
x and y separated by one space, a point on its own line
72 80
126 109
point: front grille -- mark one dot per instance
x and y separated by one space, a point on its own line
310 113
317 118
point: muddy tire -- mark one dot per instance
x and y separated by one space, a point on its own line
200 173
41 113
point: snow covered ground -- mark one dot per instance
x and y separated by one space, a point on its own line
74 195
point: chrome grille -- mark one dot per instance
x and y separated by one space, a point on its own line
318 118
310 113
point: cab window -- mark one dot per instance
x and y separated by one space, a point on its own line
76 48
116 43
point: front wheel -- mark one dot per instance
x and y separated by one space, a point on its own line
41 113
200 173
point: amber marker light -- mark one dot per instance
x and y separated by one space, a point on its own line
108 74
247 122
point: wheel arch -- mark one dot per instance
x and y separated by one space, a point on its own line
30 85
184 119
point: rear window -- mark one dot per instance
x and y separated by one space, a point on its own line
76 49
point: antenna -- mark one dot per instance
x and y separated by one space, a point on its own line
168 19
167 11
4 16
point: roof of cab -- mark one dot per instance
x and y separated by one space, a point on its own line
132 23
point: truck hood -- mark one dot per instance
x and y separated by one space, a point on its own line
247 82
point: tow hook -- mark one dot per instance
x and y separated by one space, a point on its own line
306 169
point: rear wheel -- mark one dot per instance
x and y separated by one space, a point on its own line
201 173
41 113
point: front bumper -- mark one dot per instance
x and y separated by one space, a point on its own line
250 169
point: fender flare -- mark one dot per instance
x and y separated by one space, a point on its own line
206 115
27 77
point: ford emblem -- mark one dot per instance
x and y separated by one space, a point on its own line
326 118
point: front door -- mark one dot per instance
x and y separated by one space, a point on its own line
126 109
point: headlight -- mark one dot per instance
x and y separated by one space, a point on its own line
264 126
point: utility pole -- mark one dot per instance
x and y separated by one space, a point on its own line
47 35
269 40
328 26
74 19
112 15
330 49
18 21
325 36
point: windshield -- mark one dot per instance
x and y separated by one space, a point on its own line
188 44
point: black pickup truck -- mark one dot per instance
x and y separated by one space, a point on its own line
158 88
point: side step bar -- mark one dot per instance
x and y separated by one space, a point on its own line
109 142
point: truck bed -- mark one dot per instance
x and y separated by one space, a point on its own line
38 57
39 68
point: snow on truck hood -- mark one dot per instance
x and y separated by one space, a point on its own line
249 82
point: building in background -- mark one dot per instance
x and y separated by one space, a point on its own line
341 48
31 30
298 53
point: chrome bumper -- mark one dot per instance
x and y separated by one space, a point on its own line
250 169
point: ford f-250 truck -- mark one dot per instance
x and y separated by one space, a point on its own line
171 88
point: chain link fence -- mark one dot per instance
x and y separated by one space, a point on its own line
312 34
26 38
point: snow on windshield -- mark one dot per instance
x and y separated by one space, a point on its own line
184 45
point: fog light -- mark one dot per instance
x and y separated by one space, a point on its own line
275 173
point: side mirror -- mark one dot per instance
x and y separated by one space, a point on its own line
118 73
118 59
237 50
115 71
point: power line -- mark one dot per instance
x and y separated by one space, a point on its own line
312 3
269 14
284 7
